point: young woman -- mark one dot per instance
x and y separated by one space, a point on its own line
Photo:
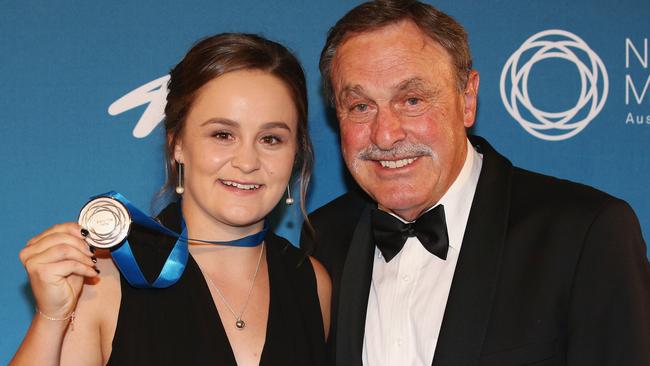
236 124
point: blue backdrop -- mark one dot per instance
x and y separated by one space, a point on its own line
572 101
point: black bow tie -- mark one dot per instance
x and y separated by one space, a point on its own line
390 233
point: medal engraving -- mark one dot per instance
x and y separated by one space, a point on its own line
107 221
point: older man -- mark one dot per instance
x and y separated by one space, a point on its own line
451 255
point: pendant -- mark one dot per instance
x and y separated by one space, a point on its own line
239 324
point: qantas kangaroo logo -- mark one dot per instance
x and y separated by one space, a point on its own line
155 94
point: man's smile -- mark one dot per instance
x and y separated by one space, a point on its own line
394 164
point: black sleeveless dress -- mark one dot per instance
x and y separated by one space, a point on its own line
180 325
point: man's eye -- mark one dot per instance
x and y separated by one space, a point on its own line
361 107
271 140
412 101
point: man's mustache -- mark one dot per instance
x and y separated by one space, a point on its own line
400 151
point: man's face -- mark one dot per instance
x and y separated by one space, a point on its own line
401 115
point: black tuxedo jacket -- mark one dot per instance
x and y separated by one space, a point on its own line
550 273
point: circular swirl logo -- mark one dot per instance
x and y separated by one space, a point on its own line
594 85
107 220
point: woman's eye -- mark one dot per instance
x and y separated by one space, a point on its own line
222 135
271 140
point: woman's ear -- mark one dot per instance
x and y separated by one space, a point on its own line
178 148
178 153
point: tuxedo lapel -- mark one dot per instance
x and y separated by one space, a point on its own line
355 288
472 291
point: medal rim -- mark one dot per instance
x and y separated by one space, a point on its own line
119 204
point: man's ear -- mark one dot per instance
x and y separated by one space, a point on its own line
470 94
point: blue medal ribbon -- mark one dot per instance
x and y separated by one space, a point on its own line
177 259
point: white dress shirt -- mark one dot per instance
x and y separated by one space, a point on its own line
408 295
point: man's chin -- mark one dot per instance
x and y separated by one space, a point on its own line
406 209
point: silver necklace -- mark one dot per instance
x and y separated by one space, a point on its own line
240 324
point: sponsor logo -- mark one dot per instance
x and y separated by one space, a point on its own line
594 85
153 93
637 82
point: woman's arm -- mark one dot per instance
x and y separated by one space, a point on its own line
57 262
91 341
324 288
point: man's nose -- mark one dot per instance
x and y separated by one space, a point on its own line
246 159
387 129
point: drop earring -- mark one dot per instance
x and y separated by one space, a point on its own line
289 200
179 186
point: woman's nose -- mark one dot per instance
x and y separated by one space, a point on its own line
246 159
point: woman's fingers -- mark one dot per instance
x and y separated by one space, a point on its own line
57 261
57 286
59 253
69 267
53 239
71 228
53 266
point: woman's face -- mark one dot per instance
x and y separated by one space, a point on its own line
238 146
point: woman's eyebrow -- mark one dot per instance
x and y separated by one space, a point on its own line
235 124
278 124
221 121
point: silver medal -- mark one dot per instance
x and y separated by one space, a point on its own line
107 220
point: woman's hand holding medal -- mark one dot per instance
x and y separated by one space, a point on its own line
57 260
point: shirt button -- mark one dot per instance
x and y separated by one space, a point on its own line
399 342
406 278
